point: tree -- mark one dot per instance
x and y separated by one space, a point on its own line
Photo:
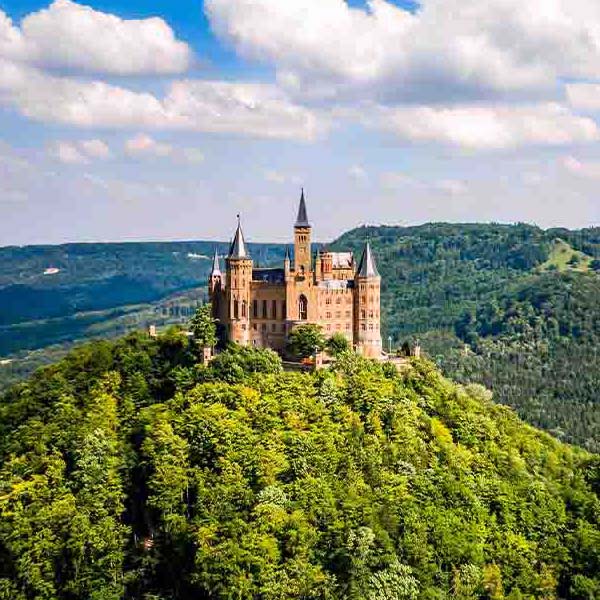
305 339
337 344
204 327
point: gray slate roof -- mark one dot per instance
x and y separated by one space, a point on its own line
302 219
238 247
367 266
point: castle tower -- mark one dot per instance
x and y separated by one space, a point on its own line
239 277
302 240
215 279
215 286
367 332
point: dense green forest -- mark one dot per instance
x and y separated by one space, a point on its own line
128 470
440 282
514 307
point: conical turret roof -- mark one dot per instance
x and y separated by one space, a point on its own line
216 268
238 247
302 219
367 266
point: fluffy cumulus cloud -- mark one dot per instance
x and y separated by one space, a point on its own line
260 110
69 35
144 145
79 152
484 127
327 48
579 168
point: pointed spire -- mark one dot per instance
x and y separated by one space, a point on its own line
216 268
302 219
287 253
367 267
238 246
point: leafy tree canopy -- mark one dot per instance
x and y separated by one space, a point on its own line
127 470
305 339
203 326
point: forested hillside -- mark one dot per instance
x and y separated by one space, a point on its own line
514 307
130 471
441 283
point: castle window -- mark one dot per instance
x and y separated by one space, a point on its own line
338 300
364 327
328 301
255 309
273 327
283 310
236 309
244 308
265 315
274 308
254 326
347 326
363 314
303 307
338 314
328 315
264 327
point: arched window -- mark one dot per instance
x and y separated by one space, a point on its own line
236 309
303 307
243 309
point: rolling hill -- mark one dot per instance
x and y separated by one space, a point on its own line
440 283
130 471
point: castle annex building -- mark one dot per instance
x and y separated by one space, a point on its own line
261 306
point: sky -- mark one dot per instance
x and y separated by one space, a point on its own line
162 120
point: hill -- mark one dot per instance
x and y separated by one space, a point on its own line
512 306
130 471
435 278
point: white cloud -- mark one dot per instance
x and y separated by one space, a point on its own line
73 36
144 145
484 127
278 177
460 48
79 152
67 153
453 187
96 148
393 180
584 96
192 155
253 109
357 173
584 169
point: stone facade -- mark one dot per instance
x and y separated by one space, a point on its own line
261 306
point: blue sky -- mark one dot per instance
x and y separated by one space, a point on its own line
162 120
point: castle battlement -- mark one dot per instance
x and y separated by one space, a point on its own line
261 306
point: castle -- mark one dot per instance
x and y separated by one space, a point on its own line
260 306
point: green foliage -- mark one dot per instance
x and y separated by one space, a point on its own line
338 343
530 319
305 339
129 471
203 326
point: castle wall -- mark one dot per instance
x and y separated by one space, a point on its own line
336 311
268 308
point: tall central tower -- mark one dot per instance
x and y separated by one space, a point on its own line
302 241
